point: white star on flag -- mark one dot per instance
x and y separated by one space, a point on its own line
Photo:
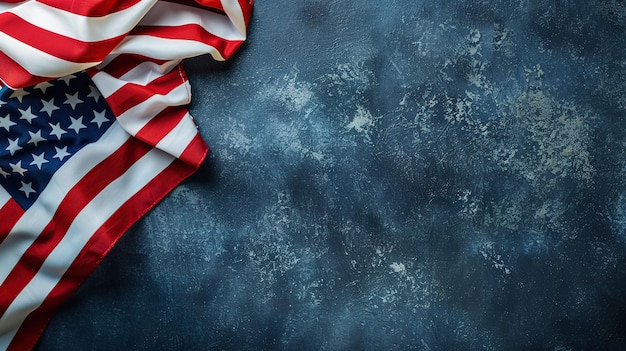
67 79
13 146
38 160
72 100
99 118
19 94
7 123
95 94
77 124
49 106
61 153
43 86
27 115
27 188
57 130
17 168
35 138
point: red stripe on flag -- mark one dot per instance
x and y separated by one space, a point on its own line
76 199
161 124
14 75
246 9
126 62
54 44
132 94
202 4
191 32
98 246
91 8
10 213
195 153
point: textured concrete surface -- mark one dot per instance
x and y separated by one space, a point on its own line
427 175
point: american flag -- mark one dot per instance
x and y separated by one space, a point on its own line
93 133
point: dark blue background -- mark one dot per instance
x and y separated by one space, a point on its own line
428 175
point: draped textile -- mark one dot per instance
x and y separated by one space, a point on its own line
93 133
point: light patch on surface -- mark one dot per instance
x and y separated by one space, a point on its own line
350 78
414 288
476 76
288 137
469 203
545 140
489 253
397 267
295 95
506 214
310 292
561 136
237 140
362 122
458 110
502 40
469 56
270 250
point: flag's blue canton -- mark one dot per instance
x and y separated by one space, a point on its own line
41 127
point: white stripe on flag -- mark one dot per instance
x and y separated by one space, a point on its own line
106 83
142 74
235 13
45 65
177 140
6 6
211 22
146 72
4 196
70 24
164 49
149 108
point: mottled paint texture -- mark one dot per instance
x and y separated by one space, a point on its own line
426 175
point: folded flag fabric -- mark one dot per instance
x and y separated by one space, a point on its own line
93 133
